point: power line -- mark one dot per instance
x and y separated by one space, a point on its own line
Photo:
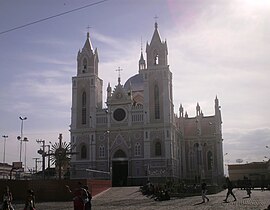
53 16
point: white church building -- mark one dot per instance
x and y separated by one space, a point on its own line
137 136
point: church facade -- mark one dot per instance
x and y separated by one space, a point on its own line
137 136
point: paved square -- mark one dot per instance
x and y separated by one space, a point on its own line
129 198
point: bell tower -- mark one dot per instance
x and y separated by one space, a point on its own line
86 88
157 81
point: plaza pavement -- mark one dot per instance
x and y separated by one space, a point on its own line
129 198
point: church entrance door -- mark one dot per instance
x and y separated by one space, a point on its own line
119 173
119 169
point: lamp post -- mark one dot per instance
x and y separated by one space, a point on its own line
5 138
108 149
108 139
25 140
20 138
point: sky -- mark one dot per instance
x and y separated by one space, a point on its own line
216 48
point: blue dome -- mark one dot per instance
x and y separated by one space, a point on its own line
136 83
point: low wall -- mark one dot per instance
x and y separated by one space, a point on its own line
51 190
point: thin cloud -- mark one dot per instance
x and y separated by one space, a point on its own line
44 59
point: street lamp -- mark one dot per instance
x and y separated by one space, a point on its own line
20 138
108 148
25 139
5 138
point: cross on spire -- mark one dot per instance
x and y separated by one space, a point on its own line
119 70
141 43
60 140
156 25
88 27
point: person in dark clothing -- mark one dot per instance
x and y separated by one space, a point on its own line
7 198
80 197
230 188
30 202
204 192
88 204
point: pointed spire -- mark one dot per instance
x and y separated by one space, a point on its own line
216 101
217 106
141 58
186 114
109 90
198 109
156 36
156 25
142 62
88 44
181 111
119 79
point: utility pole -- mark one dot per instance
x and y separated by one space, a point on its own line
36 162
48 154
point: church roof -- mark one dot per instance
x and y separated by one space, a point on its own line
136 83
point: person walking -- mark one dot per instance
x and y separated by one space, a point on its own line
204 190
7 198
230 188
30 202
80 197
88 204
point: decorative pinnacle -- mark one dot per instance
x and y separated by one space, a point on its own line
119 79
156 25
88 27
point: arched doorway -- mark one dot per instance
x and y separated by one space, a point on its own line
119 169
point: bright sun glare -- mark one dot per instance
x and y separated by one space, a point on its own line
257 3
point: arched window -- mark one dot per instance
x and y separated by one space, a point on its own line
156 100
156 58
84 65
83 152
119 154
158 149
83 99
137 149
209 160
198 153
102 151
83 108
191 161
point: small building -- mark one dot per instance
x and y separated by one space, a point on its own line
5 170
257 172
